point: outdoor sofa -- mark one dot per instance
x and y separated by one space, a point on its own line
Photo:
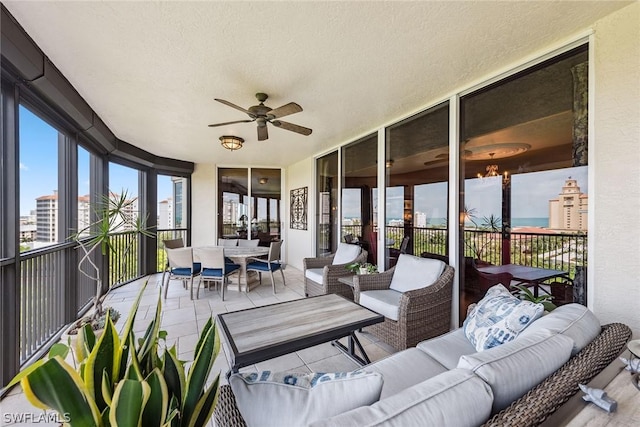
446 381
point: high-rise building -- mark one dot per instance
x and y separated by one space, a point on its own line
165 214
180 203
84 214
46 218
569 210
420 219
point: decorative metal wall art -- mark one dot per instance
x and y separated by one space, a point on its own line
299 198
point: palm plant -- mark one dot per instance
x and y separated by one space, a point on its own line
113 214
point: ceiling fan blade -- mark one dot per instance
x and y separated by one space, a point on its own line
227 103
293 128
263 134
230 123
285 110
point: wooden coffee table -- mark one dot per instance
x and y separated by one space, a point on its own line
258 334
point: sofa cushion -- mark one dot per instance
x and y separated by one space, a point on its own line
315 274
346 253
412 272
498 318
573 320
448 348
454 398
514 368
384 301
288 399
404 369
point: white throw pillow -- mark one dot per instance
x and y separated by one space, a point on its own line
289 399
413 272
346 253
498 318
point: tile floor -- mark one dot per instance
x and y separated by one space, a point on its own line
183 319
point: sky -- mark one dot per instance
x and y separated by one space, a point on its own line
39 166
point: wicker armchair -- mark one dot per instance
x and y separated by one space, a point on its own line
330 275
424 313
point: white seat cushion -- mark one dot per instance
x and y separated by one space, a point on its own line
412 272
573 320
385 302
290 399
314 274
346 253
454 398
404 369
448 348
516 367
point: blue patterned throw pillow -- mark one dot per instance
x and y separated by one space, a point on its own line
498 318
290 399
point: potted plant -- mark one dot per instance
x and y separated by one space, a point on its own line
112 215
362 268
526 295
123 381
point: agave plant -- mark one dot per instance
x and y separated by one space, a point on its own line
121 381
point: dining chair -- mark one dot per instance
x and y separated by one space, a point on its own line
243 243
215 269
182 267
227 242
170 244
271 264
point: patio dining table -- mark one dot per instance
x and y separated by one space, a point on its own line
238 255
526 275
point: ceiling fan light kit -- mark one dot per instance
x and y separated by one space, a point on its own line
262 114
231 143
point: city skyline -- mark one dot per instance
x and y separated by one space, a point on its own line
530 195
39 166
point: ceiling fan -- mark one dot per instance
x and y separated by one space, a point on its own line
262 115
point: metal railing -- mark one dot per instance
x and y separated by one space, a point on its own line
123 262
557 251
42 298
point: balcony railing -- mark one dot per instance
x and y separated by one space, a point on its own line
562 251
42 298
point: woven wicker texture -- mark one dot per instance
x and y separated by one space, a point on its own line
330 276
226 412
424 313
540 402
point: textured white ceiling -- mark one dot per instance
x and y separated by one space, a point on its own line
151 70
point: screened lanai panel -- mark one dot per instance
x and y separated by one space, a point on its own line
327 236
417 174
523 161
359 182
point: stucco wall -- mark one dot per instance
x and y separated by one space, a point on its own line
616 169
203 193
299 242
